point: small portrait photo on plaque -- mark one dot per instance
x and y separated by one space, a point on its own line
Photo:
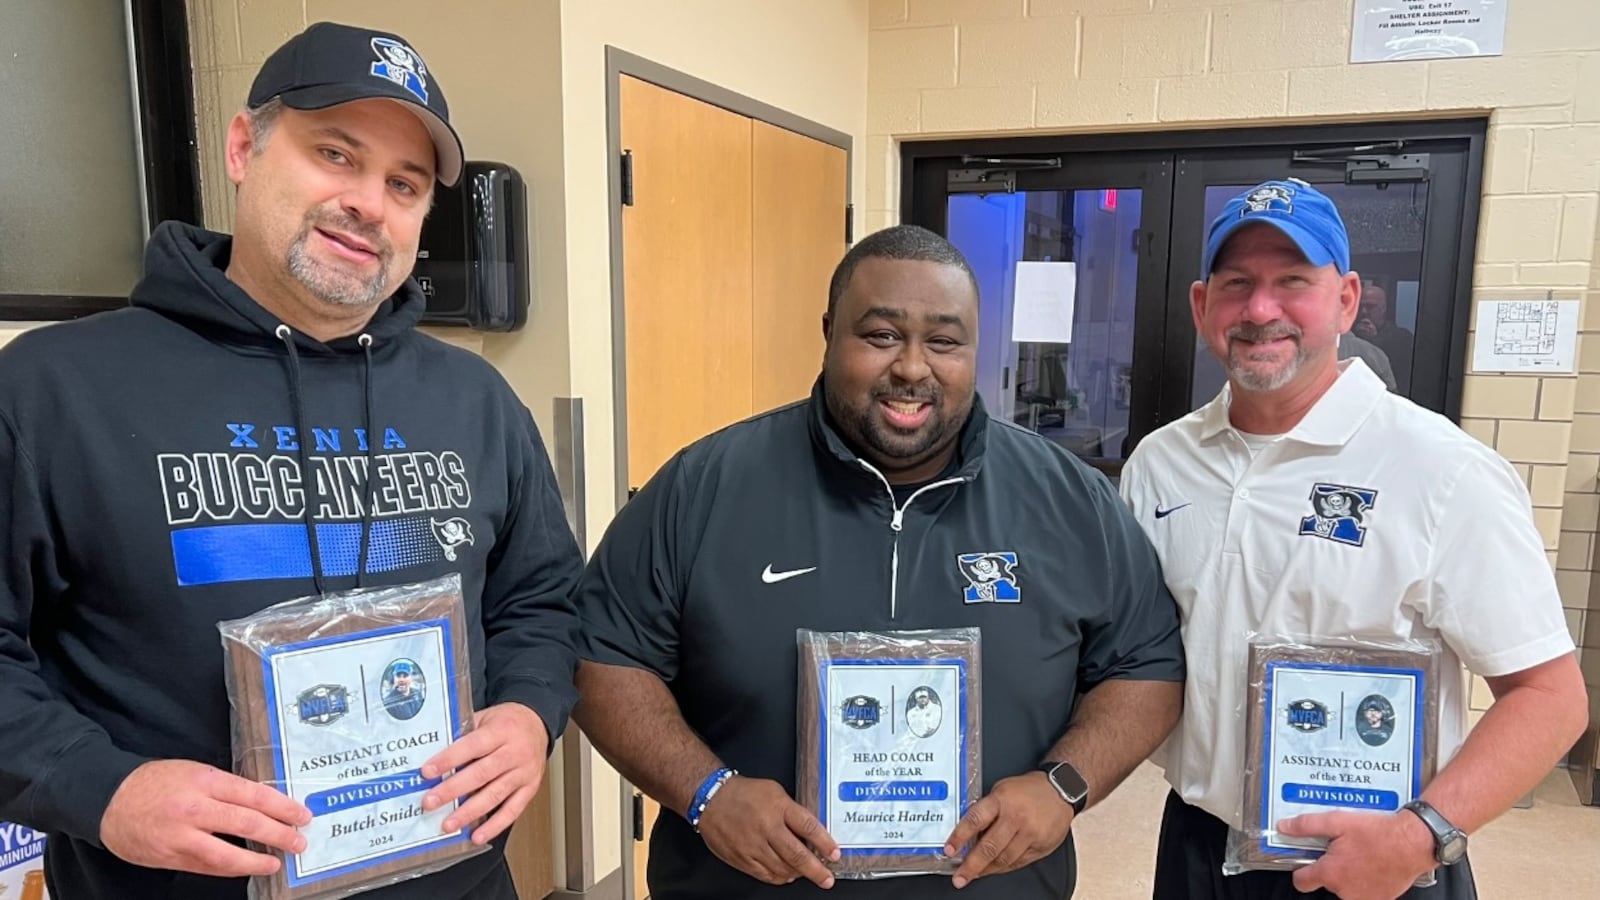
923 712
1375 720
403 689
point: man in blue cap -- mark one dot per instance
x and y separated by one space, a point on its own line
1308 501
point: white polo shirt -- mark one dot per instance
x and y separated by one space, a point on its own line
1373 518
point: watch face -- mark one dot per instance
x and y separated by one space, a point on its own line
1068 780
1453 848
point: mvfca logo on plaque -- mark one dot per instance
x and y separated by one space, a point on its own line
1308 716
861 711
323 704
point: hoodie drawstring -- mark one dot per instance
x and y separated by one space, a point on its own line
307 478
366 504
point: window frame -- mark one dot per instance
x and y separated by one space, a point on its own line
923 195
164 88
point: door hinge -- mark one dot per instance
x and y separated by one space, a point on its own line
849 224
638 816
627 178
633 492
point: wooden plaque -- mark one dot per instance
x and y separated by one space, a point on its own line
331 702
1332 727
890 749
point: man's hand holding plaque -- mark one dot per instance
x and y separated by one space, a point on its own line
1020 821
755 827
498 769
168 814
1368 856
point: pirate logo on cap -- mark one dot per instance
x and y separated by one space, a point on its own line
1268 198
401 65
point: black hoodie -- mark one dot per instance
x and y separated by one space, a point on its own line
151 466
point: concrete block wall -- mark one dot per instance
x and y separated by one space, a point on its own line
965 67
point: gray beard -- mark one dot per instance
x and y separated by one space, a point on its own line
330 285
1253 380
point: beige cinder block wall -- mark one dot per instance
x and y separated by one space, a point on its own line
229 39
962 67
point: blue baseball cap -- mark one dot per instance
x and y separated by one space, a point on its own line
1293 207
404 668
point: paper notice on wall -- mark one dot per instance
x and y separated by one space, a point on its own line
1387 30
1526 336
21 863
1041 309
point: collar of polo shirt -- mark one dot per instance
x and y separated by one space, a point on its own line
1333 419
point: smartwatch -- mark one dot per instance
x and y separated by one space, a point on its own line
1068 782
1449 842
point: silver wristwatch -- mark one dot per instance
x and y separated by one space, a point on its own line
1449 842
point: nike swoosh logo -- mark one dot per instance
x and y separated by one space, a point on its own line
770 577
1163 513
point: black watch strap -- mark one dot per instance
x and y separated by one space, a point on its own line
1068 782
1449 842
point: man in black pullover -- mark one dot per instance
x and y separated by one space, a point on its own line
890 501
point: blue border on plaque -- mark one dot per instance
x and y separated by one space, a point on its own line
1419 707
270 691
963 768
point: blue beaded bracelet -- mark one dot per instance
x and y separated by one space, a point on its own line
708 789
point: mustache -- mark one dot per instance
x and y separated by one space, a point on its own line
340 221
1272 331
908 395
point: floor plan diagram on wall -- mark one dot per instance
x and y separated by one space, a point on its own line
1526 336
1525 329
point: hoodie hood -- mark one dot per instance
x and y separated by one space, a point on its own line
186 280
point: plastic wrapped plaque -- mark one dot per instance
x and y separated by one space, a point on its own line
889 752
1332 725
337 701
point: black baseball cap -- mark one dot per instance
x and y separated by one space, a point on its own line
329 64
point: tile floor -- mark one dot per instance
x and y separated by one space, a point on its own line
1549 851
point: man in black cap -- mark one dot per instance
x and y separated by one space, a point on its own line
318 442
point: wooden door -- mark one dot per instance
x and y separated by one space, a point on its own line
734 230
799 231
686 286
530 847
686 272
